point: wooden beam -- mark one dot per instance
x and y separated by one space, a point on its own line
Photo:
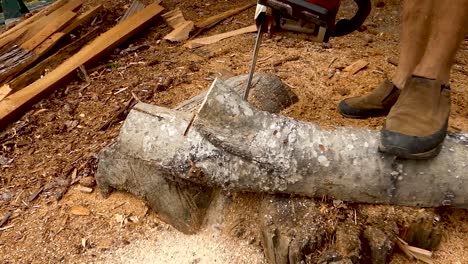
39 51
53 26
24 56
23 25
83 18
195 43
12 106
51 62
72 6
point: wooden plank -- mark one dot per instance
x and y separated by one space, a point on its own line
195 43
24 56
52 61
13 105
44 47
56 25
73 5
83 18
48 44
25 23
213 20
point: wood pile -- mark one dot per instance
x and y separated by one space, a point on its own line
37 45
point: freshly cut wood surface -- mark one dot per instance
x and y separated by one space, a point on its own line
12 106
83 18
195 43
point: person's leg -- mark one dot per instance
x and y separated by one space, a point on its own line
448 29
417 124
416 16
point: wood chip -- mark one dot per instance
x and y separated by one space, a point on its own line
356 66
181 33
80 210
84 189
414 252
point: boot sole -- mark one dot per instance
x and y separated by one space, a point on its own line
377 113
404 154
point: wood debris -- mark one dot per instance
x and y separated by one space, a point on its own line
195 43
181 27
5 218
80 211
356 66
208 22
84 189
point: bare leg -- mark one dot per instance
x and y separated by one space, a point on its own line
448 26
413 38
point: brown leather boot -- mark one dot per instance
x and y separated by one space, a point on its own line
417 124
377 103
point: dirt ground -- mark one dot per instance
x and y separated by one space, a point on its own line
62 135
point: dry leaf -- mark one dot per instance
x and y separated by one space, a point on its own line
80 210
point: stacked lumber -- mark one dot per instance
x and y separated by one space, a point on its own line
22 50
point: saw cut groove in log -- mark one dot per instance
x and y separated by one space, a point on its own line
237 147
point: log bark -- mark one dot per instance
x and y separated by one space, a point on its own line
237 147
178 202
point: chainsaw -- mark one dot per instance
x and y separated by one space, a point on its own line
312 20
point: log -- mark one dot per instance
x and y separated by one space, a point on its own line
277 154
195 43
168 197
12 106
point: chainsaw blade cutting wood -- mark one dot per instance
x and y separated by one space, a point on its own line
312 20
